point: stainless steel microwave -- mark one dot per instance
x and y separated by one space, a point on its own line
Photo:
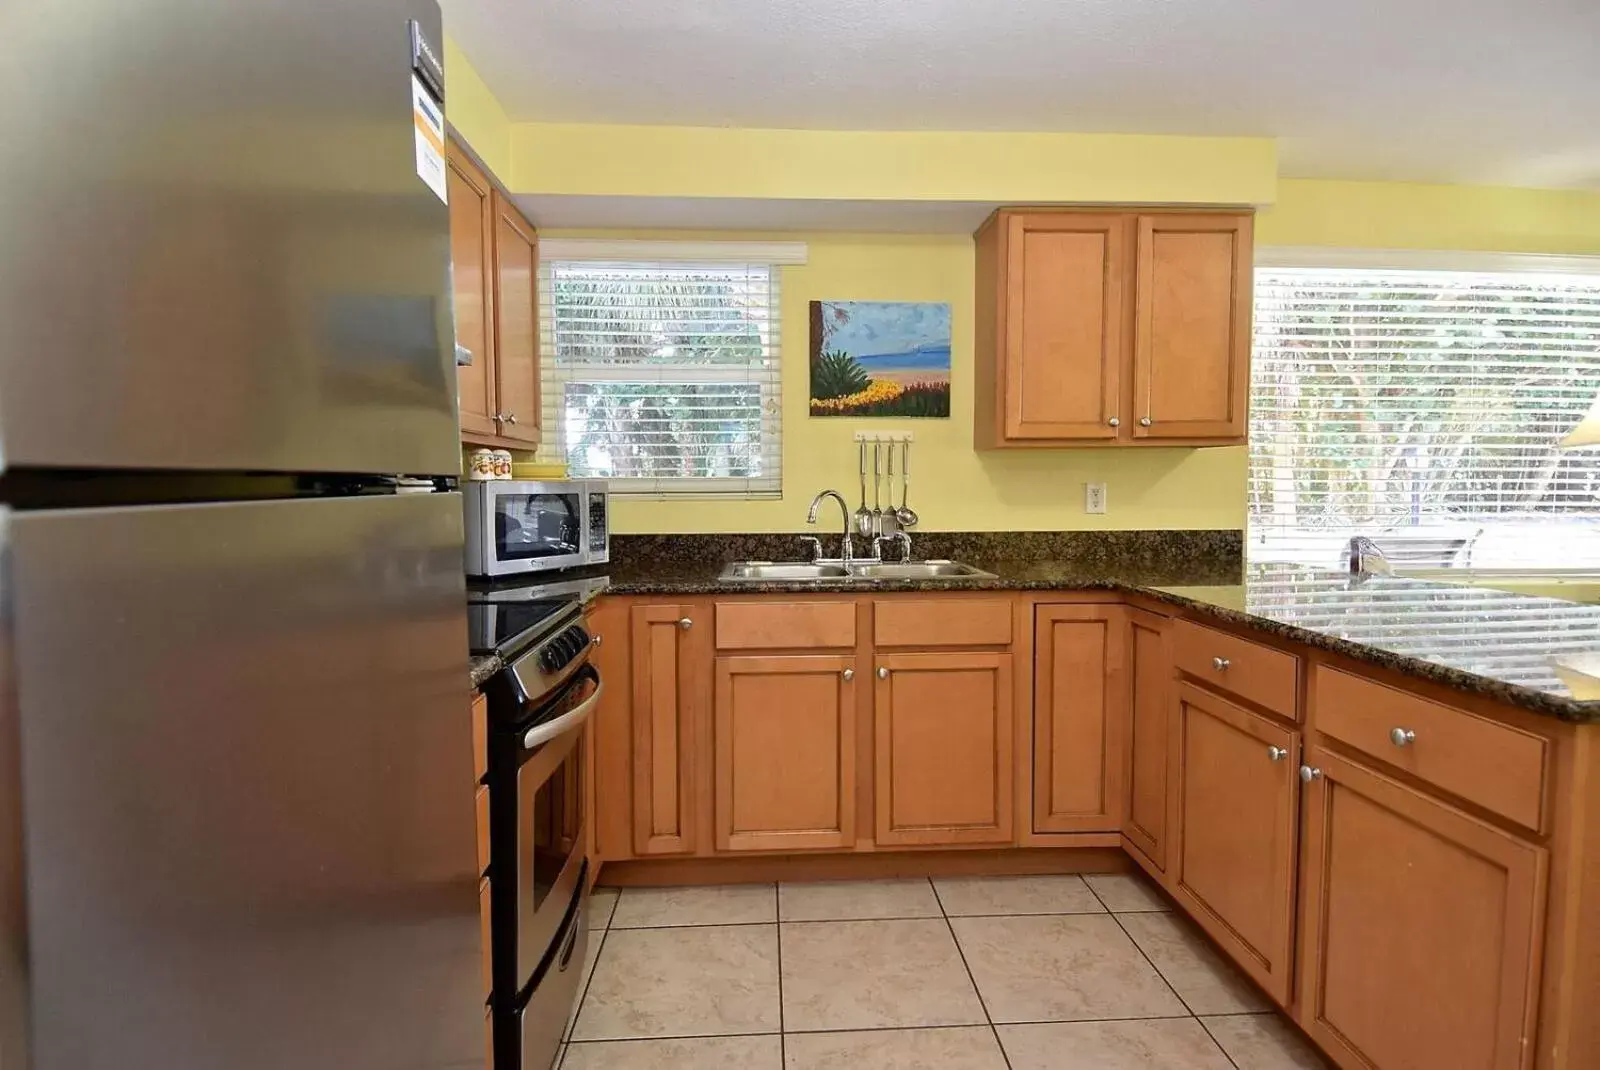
515 527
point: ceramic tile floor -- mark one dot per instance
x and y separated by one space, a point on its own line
994 973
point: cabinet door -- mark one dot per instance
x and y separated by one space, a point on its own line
516 338
1064 337
943 749
667 698
1079 718
1238 807
473 294
1422 928
1150 736
1191 363
785 753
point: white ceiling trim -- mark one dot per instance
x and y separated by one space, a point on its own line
1291 256
786 253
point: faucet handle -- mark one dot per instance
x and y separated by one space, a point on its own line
816 546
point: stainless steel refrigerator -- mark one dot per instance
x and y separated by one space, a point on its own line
236 769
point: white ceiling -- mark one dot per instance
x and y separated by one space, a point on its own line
1478 91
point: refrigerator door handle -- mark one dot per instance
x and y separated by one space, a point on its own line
543 733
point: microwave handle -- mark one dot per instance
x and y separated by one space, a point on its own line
543 733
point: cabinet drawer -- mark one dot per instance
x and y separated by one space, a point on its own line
785 625
923 622
1493 765
1265 675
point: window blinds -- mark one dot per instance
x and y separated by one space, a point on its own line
1423 408
663 377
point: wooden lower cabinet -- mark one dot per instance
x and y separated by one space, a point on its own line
1422 928
669 697
1238 811
943 762
785 753
1149 737
1079 701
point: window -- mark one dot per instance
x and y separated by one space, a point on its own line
1423 408
662 375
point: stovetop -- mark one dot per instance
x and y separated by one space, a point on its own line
505 628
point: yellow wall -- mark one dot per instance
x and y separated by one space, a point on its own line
954 488
668 161
1400 215
474 111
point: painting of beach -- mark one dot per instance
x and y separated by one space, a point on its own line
880 358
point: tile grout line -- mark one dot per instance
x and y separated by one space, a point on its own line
1218 1043
1170 987
954 939
882 1028
777 917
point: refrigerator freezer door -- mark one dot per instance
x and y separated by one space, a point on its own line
216 251
247 786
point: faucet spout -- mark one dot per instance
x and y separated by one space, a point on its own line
844 512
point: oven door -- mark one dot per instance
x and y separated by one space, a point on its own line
532 527
550 833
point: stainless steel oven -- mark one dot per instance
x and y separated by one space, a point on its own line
516 527
538 708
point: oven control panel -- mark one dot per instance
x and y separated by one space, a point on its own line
562 649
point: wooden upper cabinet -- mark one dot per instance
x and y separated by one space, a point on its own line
1097 327
943 751
1238 811
1079 718
785 753
1191 352
1150 748
472 274
516 348
494 256
669 698
1421 943
1056 349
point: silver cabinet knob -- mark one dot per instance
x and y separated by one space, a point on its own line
1115 422
1402 737
1277 754
511 417
686 624
883 673
1220 664
1309 773
849 674
596 640
1144 421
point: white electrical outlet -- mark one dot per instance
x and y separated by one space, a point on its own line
1094 497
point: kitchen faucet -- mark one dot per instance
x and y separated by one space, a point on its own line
902 537
846 551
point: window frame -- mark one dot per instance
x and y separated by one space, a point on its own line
555 374
1271 258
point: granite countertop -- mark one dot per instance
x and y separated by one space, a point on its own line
1524 650
1540 654
483 666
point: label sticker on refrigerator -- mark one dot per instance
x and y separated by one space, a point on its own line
428 119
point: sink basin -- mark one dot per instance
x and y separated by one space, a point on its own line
919 570
782 571
818 572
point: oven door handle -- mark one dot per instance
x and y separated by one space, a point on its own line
543 733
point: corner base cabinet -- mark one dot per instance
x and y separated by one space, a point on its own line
1422 927
1079 718
1238 812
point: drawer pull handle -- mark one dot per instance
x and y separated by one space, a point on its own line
1308 773
1402 737
1220 664
849 674
883 673
1277 754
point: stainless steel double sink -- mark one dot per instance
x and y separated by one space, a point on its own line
839 572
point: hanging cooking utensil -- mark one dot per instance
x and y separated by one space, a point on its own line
863 515
906 515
